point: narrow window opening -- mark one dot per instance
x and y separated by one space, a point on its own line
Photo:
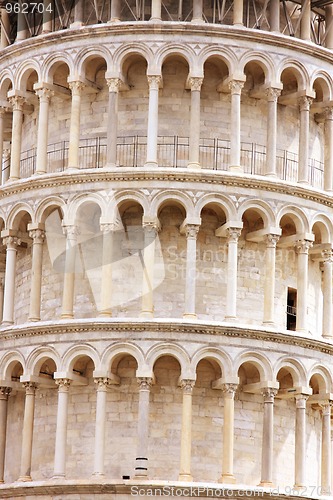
291 309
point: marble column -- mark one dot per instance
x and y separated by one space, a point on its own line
300 440
74 129
112 125
78 15
267 438
4 393
194 139
115 10
2 286
228 433
303 149
326 459
141 466
302 249
306 20
232 274
269 287
186 433
47 16
2 131
106 284
152 131
197 11
61 429
69 276
329 26
22 27
27 434
6 163
272 97
38 237
235 87
326 266
11 243
238 13
156 10
15 157
150 234
42 132
274 15
102 386
328 150
5 29
191 232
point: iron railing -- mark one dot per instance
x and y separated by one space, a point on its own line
173 152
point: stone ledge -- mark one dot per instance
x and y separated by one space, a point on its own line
148 488
164 326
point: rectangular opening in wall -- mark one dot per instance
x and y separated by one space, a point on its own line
291 309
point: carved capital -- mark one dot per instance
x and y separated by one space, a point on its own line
235 86
269 394
144 383
37 235
44 94
4 392
328 113
327 255
63 384
11 242
233 233
76 87
325 407
304 103
187 385
113 84
300 400
151 227
17 102
191 231
71 232
303 246
229 390
195 83
30 388
271 240
154 82
102 383
272 94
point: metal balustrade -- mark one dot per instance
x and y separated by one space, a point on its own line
173 152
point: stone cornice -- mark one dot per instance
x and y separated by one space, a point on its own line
204 176
136 327
139 28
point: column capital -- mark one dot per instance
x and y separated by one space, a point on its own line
154 81
229 390
108 227
328 113
76 87
70 231
17 102
187 385
37 235
11 242
30 388
271 240
144 383
63 384
325 407
269 394
114 84
195 83
191 231
4 392
300 400
233 233
151 226
102 383
303 246
235 86
272 94
44 94
304 103
327 255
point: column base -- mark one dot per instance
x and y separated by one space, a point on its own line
236 168
98 474
39 172
185 477
194 165
33 319
327 336
302 330
198 21
67 316
230 318
114 20
266 484
12 179
227 479
299 486
268 323
76 24
155 20
146 314
7 323
24 479
104 314
271 174
111 165
303 182
190 316
58 476
151 164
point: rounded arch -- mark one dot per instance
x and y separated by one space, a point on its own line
297 70
76 352
322 83
129 196
220 357
17 213
298 217
6 81
263 60
87 55
169 196
324 378
176 50
261 207
324 227
46 206
8 362
52 63
124 54
260 361
294 367
224 54
25 69
126 349
221 201
81 199
175 351
38 356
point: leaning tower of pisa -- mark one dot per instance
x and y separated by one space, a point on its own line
166 249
